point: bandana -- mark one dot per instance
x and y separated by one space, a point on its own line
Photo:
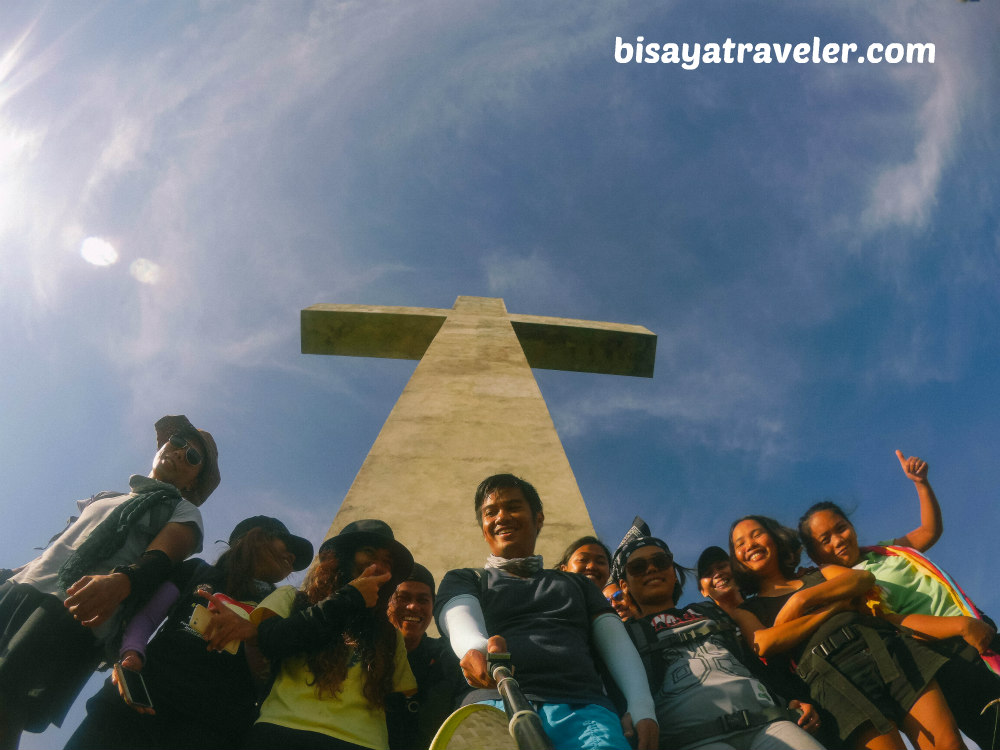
637 536
518 566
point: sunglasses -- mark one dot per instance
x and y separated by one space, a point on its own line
193 457
615 597
659 561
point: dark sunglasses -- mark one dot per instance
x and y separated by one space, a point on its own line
615 597
193 456
659 561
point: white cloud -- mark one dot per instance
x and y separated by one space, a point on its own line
905 193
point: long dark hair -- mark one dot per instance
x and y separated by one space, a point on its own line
369 632
804 536
238 565
786 542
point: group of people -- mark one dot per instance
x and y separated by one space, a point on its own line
871 642
868 643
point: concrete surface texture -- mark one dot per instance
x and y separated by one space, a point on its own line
472 408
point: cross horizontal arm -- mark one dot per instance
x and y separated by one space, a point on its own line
370 330
586 346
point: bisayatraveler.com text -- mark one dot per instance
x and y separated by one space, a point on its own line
689 55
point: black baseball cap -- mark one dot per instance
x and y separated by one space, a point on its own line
710 556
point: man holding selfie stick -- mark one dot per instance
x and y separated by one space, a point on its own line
550 619
58 610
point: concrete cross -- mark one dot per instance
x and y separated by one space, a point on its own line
472 408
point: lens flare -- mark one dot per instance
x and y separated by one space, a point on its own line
145 270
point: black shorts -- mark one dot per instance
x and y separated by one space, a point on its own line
46 656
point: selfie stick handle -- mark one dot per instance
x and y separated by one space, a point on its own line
524 724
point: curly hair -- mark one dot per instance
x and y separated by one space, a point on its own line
369 633
786 542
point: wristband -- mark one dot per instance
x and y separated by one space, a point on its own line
146 575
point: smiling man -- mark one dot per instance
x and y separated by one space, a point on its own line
549 620
57 611
413 721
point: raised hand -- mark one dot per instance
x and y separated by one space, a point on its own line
914 468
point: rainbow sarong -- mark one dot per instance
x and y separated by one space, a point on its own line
958 596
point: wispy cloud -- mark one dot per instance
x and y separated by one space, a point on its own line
903 194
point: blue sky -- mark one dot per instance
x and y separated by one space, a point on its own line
816 247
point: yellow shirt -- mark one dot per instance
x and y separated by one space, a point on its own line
294 700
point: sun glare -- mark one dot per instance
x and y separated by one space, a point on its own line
98 252
145 271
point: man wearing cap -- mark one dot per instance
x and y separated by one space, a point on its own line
708 690
414 721
549 620
57 610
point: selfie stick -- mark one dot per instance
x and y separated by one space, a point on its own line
524 724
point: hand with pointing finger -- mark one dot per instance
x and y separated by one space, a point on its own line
369 582
914 468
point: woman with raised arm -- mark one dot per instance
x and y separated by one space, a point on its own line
182 676
334 653
872 678
921 596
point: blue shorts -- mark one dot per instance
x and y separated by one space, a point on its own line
578 726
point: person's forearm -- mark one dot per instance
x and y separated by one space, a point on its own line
622 660
931 521
146 620
931 626
463 622
309 629
780 638
847 585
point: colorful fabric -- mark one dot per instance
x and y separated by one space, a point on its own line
938 579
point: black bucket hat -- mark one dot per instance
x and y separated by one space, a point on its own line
208 478
374 533
301 548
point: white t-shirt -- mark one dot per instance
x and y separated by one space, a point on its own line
43 572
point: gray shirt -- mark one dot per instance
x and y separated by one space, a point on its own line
43 572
